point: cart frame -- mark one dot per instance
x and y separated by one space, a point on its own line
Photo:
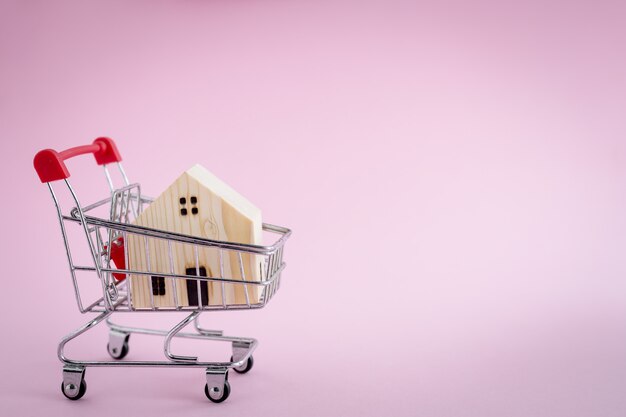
125 204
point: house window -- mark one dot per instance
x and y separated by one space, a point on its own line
158 285
192 286
183 203
194 201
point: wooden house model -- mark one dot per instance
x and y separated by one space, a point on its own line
201 205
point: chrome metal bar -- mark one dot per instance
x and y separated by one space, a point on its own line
281 263
149 268
108 176
172 280
129 277
124 177
199 335
270 262
195 254
84 268
100 242
76 333
172 333
222 276
101 252
108 276
242 273
135 210
124 204
206 332
272 285
67 247
113 207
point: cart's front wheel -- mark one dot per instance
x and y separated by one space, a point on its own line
215 394
116 350
245 367
118 353
73 392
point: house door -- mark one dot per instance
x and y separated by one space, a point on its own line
192 287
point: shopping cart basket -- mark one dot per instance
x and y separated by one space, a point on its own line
105 234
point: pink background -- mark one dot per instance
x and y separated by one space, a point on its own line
455 177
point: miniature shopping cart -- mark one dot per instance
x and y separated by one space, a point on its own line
108 223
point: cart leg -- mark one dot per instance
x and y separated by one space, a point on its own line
73 386
118 344
173 332
82 329
217 388
241 351
203 331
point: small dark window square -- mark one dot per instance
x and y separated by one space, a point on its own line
194 200
183 200
158 285
183 211
194 210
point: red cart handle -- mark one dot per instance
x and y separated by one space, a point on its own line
50 166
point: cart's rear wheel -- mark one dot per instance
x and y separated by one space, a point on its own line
119 353
245 367
71 392
216 395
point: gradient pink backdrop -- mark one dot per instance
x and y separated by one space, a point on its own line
455 176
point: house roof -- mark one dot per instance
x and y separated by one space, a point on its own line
160 213
226 192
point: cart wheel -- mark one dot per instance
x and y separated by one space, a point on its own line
70 391
215 395
119 353
245 367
